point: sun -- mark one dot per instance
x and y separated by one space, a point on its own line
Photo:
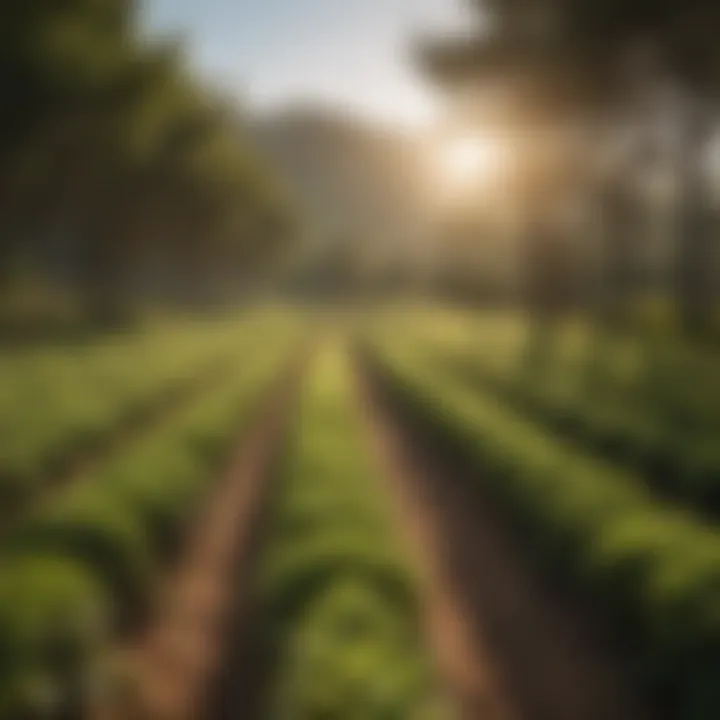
468 163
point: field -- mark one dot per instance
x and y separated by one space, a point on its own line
392 516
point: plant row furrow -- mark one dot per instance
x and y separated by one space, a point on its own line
86 566
340 603
653 570
63 405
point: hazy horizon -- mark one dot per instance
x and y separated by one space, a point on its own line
280 52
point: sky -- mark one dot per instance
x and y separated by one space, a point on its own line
352 53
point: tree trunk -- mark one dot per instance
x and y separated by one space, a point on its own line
103 279
547 291
618 256
696 261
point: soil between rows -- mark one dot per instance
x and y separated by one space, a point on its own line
509 646
195 657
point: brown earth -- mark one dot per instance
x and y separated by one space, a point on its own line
176 663
509 646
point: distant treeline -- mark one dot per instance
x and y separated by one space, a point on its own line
121 175
611 108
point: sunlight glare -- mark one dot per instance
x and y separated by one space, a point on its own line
469 162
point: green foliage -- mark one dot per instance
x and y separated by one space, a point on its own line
626 399
58 404
653 569
52 628
112 147
341 603
102 542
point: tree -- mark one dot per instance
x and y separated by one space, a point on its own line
536 101
111 148
600 63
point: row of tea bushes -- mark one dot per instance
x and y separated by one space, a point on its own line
341 605
672 446
654 570
86 565
59 404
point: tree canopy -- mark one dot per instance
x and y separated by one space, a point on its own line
593 63
113 152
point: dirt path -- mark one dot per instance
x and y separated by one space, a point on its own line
508 647
177 659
